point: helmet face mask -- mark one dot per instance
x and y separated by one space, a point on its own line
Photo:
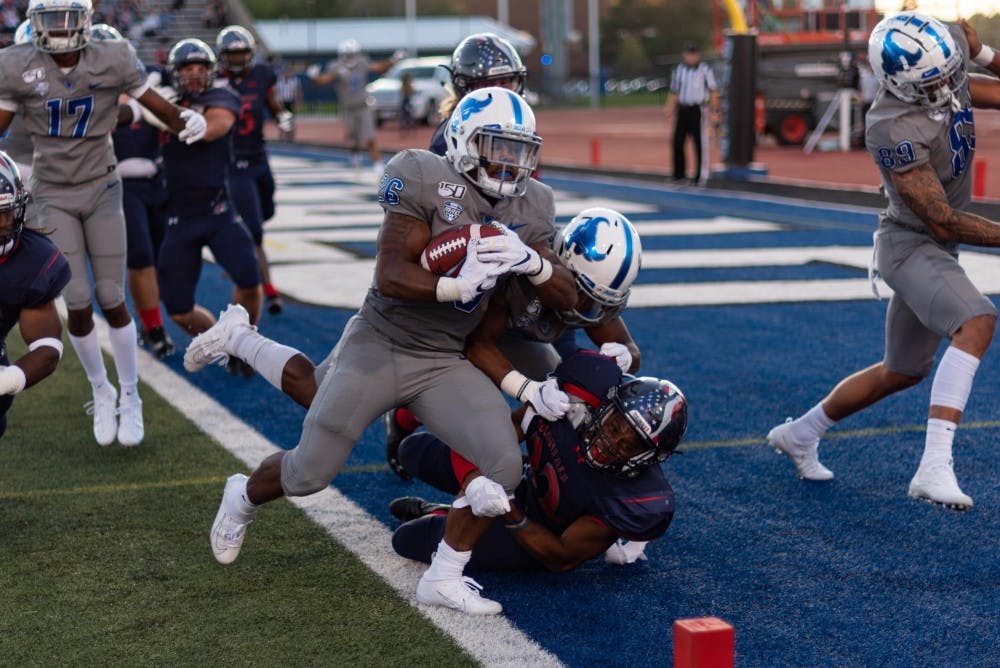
603 251
191 80
60 26
485 59
13 200
235 46
641 426
918 61
491 140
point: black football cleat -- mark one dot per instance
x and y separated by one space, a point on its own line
238 367
275 304
159 342
394 435
408 508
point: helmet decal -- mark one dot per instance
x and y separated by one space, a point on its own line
471 105
583 240
895 58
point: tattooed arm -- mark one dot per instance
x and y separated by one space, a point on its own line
923 193
397 260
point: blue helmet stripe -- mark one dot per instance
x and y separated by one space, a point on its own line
626 263
515 102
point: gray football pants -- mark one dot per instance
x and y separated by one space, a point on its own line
932 297
366 375
86 221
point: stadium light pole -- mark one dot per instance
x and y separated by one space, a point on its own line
411 27
503 12
594 52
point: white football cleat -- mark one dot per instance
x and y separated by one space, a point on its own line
130 427
103 408
804 456
210 345
936 483
460 593
230 525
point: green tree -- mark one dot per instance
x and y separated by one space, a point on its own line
661 27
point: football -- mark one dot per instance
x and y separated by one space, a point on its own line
445 253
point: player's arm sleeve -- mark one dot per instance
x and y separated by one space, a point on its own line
49 282
134 77
643 510
402 186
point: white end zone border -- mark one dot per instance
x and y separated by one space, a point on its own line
493 641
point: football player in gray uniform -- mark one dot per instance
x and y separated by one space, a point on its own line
65 88
404 347
921 135
349 74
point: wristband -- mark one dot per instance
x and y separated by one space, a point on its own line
517 526
448 290
544 274
47 341
514 383
984 57
16 379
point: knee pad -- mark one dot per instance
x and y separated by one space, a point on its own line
77 293
109 294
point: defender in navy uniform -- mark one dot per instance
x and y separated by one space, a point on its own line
32 272
202 212
251 182
592 478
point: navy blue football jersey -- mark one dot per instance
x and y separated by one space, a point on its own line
197 173
561 486
252 87
138 140
34 273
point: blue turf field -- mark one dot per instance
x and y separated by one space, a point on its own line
845 573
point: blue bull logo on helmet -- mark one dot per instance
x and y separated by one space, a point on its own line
895 58
471 105
583 240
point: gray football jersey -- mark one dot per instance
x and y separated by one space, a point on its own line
352 77
424 185
528 316
901 136
70 116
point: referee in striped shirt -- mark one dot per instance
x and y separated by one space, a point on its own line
691 87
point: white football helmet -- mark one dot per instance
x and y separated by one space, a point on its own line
602 249
348 49
60 26
917 60
23 33
491 140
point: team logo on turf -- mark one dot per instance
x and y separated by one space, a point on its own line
453 190
452 210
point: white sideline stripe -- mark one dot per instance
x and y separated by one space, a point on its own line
493 641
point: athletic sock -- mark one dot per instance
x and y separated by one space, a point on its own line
447 563
811 426
953 379
88 349
267 357
937 447
123 351
151 318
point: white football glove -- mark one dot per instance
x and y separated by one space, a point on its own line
194 126
626 552
546 398
474 278
487 498
12 379
510 252
312 71
623 358
286 121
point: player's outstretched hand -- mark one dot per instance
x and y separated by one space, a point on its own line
194 126
623 358
486 497
546 398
